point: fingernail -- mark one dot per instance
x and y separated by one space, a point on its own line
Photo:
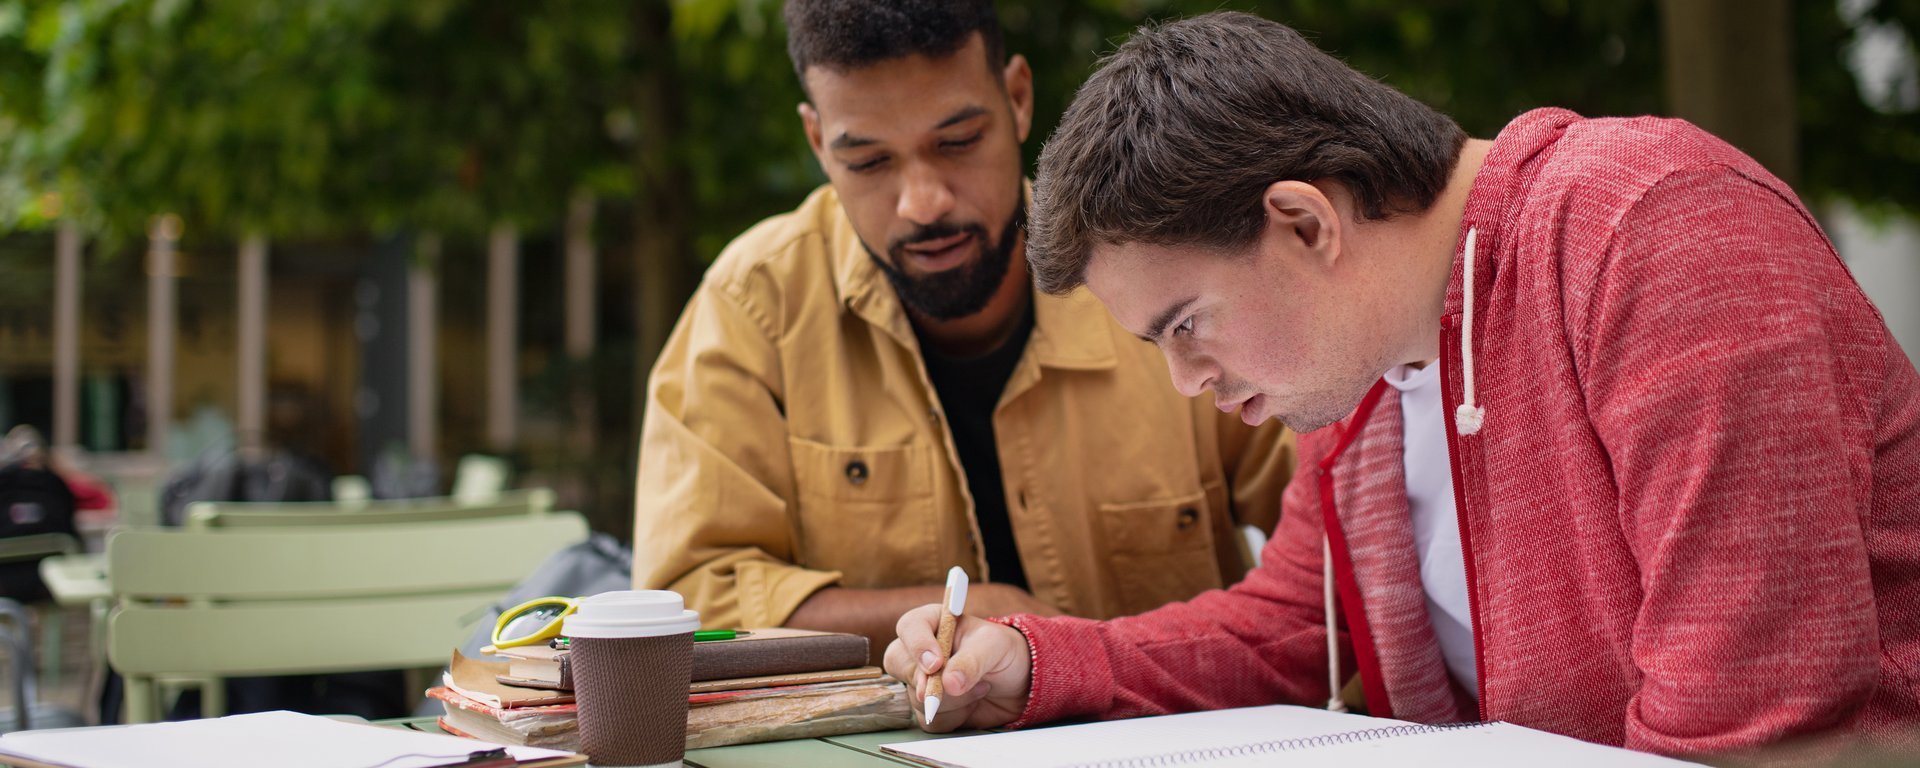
956 681
927 660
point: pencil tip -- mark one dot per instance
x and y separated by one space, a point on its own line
933 709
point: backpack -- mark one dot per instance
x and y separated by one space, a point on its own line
32 501
225 476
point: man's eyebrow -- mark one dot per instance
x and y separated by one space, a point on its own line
1164 319
850 141
965 114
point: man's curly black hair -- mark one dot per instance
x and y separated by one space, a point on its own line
848 34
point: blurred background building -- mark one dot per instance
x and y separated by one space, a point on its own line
377 233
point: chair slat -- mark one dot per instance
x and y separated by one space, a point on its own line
265 639
231 514
202 518
335 561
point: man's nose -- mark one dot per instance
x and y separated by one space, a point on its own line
924 195
1192 374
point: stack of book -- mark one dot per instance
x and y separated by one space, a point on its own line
766 685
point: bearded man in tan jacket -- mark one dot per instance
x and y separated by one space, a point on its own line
867 391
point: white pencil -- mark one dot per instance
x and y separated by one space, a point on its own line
955 605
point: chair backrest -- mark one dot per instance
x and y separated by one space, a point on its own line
241 514
309 599
33 547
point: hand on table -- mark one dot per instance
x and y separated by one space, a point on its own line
986 679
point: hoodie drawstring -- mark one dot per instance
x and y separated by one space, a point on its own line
1334 703
1467 418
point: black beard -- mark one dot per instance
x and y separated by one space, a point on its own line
957 292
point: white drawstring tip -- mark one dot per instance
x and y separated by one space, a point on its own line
1467 418
1336 705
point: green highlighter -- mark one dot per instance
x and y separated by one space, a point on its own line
561 643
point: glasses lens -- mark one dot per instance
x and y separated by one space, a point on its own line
529 622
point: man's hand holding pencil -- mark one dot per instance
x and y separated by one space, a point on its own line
962 670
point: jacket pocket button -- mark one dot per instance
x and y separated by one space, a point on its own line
857 472
1188 517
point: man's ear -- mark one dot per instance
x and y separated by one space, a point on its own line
1018 79
810 122
1302 219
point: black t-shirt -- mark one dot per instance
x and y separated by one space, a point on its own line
969 389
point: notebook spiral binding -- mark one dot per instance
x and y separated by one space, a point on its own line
1202 756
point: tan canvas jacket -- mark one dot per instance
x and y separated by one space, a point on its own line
793 441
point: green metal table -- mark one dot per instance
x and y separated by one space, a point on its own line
856 751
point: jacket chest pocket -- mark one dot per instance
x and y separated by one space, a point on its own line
1162 551
866 512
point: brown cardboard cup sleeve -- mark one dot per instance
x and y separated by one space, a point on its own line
632 693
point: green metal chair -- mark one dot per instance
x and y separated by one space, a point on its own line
200 605
240 514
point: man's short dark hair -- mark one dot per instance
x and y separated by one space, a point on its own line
842 35
1177 136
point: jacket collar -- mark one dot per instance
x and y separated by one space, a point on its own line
1069 332
1497 190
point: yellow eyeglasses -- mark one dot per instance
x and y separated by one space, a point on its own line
532 622
539 620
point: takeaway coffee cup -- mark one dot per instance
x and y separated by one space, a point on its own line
632 661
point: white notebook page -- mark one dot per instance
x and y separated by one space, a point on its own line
1196 738
282 739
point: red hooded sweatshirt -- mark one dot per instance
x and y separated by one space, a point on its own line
1687 473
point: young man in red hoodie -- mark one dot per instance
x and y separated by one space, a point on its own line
1643 467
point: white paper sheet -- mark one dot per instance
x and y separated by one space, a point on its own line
1211 739
283 739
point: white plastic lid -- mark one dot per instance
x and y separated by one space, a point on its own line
631 613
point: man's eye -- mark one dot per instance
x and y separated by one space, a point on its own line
1185 327
867 165
961 143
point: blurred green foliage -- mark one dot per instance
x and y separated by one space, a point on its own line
1857 144
303 119
342 120
323 117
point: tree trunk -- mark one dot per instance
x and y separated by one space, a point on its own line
163 236
664 264
423 358
66 336
252 421
580 277
582 280
1729 70
503 344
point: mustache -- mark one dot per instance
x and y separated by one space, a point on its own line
938 230
1232 391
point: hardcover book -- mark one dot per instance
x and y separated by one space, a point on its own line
757 653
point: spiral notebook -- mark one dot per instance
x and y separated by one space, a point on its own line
280 739
1297 737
